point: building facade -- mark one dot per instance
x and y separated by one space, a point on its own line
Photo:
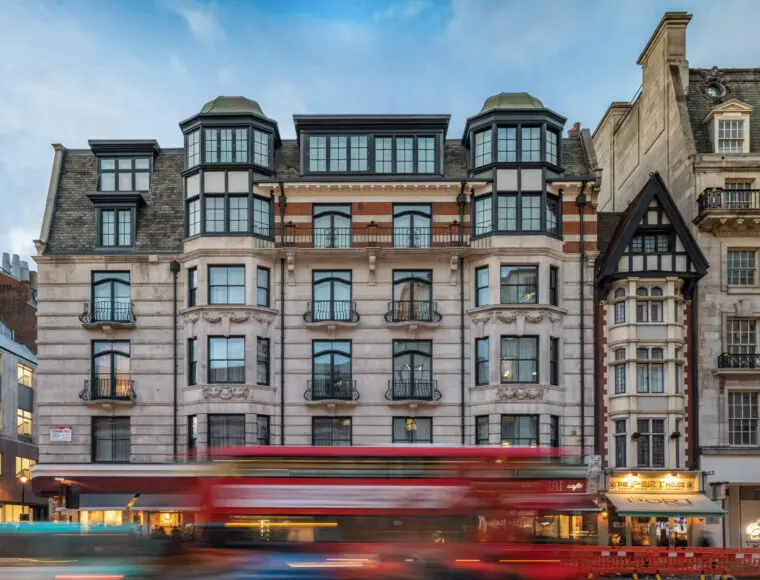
369 282
697 130
18 434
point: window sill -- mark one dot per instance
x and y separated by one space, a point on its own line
733 289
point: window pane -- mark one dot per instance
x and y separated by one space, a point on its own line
125 228
262 217
507 144
507 213
214 214
531 144
426 154
194 218
551 147
107 181
125 181
359 147
383 154
226 145
193 149
483 148
261 148
338 153
108 227
142 181
404 155
317 153
212 147
238 214
483 218
530 211
241 145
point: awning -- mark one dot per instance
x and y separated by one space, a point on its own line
562 502
166 502
694 505
104 501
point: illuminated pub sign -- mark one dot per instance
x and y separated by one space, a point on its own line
654 483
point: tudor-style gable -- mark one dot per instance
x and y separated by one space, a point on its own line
652 240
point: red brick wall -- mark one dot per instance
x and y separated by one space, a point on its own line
16 312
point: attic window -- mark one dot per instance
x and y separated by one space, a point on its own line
731 136
715 91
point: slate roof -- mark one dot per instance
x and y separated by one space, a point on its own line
160 222
741 84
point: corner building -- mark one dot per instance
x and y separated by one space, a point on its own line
370 282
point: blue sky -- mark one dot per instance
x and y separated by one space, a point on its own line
72 70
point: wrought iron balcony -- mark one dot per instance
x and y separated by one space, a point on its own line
331 311
108 312
413 311
413 390
723 210
107 389
373 235
739 361
332 389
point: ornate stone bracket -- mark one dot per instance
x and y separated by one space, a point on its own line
225 393
520 394
291 264
453 269
372 265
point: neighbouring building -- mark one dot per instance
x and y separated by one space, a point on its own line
18 299
696 341
369 282
18 435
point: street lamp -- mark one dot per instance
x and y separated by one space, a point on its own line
23 477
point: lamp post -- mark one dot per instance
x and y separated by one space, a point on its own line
23 477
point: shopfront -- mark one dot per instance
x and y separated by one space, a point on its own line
656 509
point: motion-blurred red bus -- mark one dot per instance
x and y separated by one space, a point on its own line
395 495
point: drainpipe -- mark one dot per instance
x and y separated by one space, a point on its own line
580 201
174 268
461 201
693 370
282 202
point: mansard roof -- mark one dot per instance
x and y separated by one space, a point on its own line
733 84
632 221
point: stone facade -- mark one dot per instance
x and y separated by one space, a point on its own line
672 128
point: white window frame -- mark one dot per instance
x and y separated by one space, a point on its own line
620 361
745 275
649 304
743 127
619 306
650 362
735 328
649 433
752 422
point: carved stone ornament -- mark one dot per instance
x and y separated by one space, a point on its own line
237 317
225 393
453 268
261 318
372 266
713 87
291 263
191 317
506 317
482 318
520 394
534 318
555 318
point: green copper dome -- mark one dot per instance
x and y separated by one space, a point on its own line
233 106
511 101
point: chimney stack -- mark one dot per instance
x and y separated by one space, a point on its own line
24 271
575 131
33 279
6 263
16 267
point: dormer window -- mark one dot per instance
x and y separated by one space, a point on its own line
408 154
728 127
124 174
483 148
730 136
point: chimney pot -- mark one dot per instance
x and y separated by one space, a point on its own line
575 131
33 279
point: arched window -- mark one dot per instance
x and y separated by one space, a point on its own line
620 306
111 375
412 226
331 295
331 371
332 226
412 296
110 297
412 370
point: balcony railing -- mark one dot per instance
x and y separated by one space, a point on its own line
373 235
108 311
730 199
738 361
332 389
412 311
413 390
331 311
107 389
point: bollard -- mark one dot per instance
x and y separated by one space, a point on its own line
702 575
635 575
657 575
590 576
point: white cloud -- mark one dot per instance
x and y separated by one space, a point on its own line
200 19
403 10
